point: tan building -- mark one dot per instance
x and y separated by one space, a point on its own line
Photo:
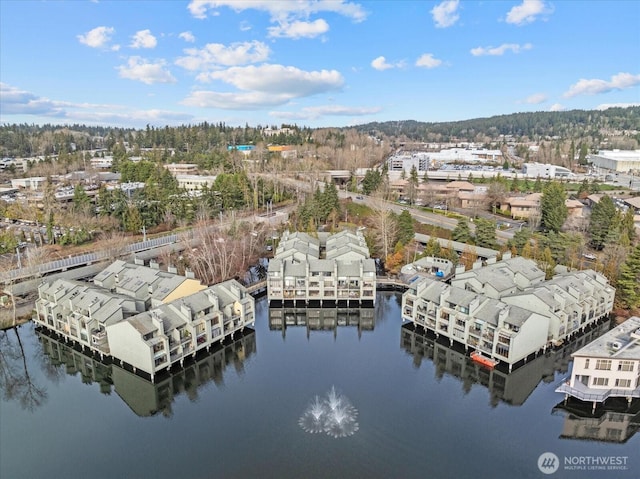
182 168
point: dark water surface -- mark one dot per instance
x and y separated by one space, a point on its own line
418 410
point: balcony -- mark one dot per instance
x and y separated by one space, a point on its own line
98 337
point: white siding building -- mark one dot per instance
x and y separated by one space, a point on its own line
616 160
142 317
507 310
607 367
331 270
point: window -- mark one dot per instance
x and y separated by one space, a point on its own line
600 381
625 366
623 383
603 364
586 363
502 350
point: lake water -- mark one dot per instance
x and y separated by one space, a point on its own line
367 398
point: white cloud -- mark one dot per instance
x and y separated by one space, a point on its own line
99 37
299 29
445 14
281 10
147 72
621 81
279 79
234 101
381 64
527 12
245 26
264 86
501 50
427 60
536 98
291 18
315 112
14 101
606 106
557 107
187 37
143 39
216 55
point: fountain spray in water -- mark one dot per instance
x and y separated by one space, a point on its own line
333 415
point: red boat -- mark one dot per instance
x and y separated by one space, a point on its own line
483 360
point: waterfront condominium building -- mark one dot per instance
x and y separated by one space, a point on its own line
506 310
330 270
608 366
149 322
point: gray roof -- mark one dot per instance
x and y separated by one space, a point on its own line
458 246
488 311
622 342
460 296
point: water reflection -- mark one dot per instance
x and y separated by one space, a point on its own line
146 398
512 388
16 383
616 422
316 319
333 414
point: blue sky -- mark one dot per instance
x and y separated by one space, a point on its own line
314 63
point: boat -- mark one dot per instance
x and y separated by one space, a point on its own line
483 360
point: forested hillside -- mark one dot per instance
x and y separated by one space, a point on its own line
574 124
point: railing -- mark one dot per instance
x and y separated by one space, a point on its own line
85 259
599 396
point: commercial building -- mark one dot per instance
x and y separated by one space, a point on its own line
545 170
607 367
425 161
527 206
195 182
330 270
143 317
506 311
182 168
616 160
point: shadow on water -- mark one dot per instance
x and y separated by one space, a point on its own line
146 398
511 388
615 422
16 383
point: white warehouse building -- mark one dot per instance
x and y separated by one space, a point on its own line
616 160
545 170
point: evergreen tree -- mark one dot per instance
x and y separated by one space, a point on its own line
371 182
520 240
628 224
629 280
81 201
602 216
406 230
485 233
537 186
553 208
461 232
412 185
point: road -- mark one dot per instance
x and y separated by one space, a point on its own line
425 217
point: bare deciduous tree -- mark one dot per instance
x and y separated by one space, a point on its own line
384 225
